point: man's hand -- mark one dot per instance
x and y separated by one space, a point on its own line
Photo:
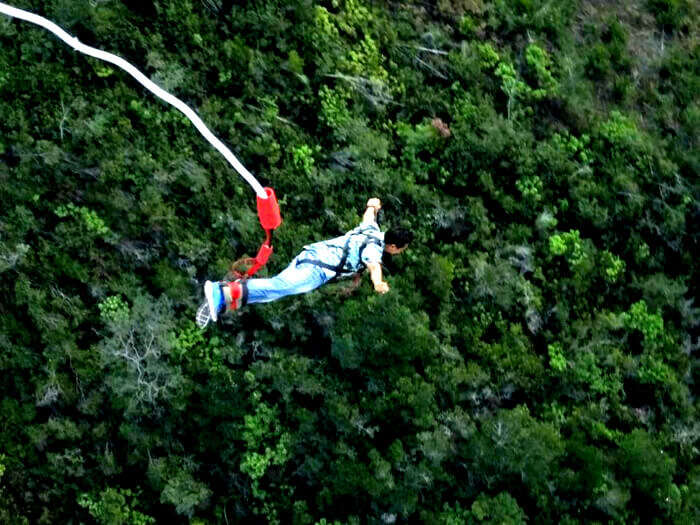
373 206
375 273
375 203
381 287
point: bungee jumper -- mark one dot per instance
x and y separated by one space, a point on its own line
318 264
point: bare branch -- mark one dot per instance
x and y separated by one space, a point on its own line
425 49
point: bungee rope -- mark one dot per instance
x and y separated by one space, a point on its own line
268 208
145 82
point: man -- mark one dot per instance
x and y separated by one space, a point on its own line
318 264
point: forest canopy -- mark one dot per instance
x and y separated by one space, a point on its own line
536 357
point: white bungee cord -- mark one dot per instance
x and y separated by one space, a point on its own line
145 82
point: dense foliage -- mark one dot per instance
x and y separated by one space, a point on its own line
534 360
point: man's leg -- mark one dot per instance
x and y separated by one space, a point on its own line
295 279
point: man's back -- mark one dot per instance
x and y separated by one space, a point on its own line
365 238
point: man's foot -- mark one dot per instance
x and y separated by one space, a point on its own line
215 299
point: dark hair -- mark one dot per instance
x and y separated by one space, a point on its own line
398 236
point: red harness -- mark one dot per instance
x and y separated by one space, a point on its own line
270 218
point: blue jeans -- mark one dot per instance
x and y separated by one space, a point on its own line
292 280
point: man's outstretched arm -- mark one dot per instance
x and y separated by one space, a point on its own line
375 269
373 207
375 273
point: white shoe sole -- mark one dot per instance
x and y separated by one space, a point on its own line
209 294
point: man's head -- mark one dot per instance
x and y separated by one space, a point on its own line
396 241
